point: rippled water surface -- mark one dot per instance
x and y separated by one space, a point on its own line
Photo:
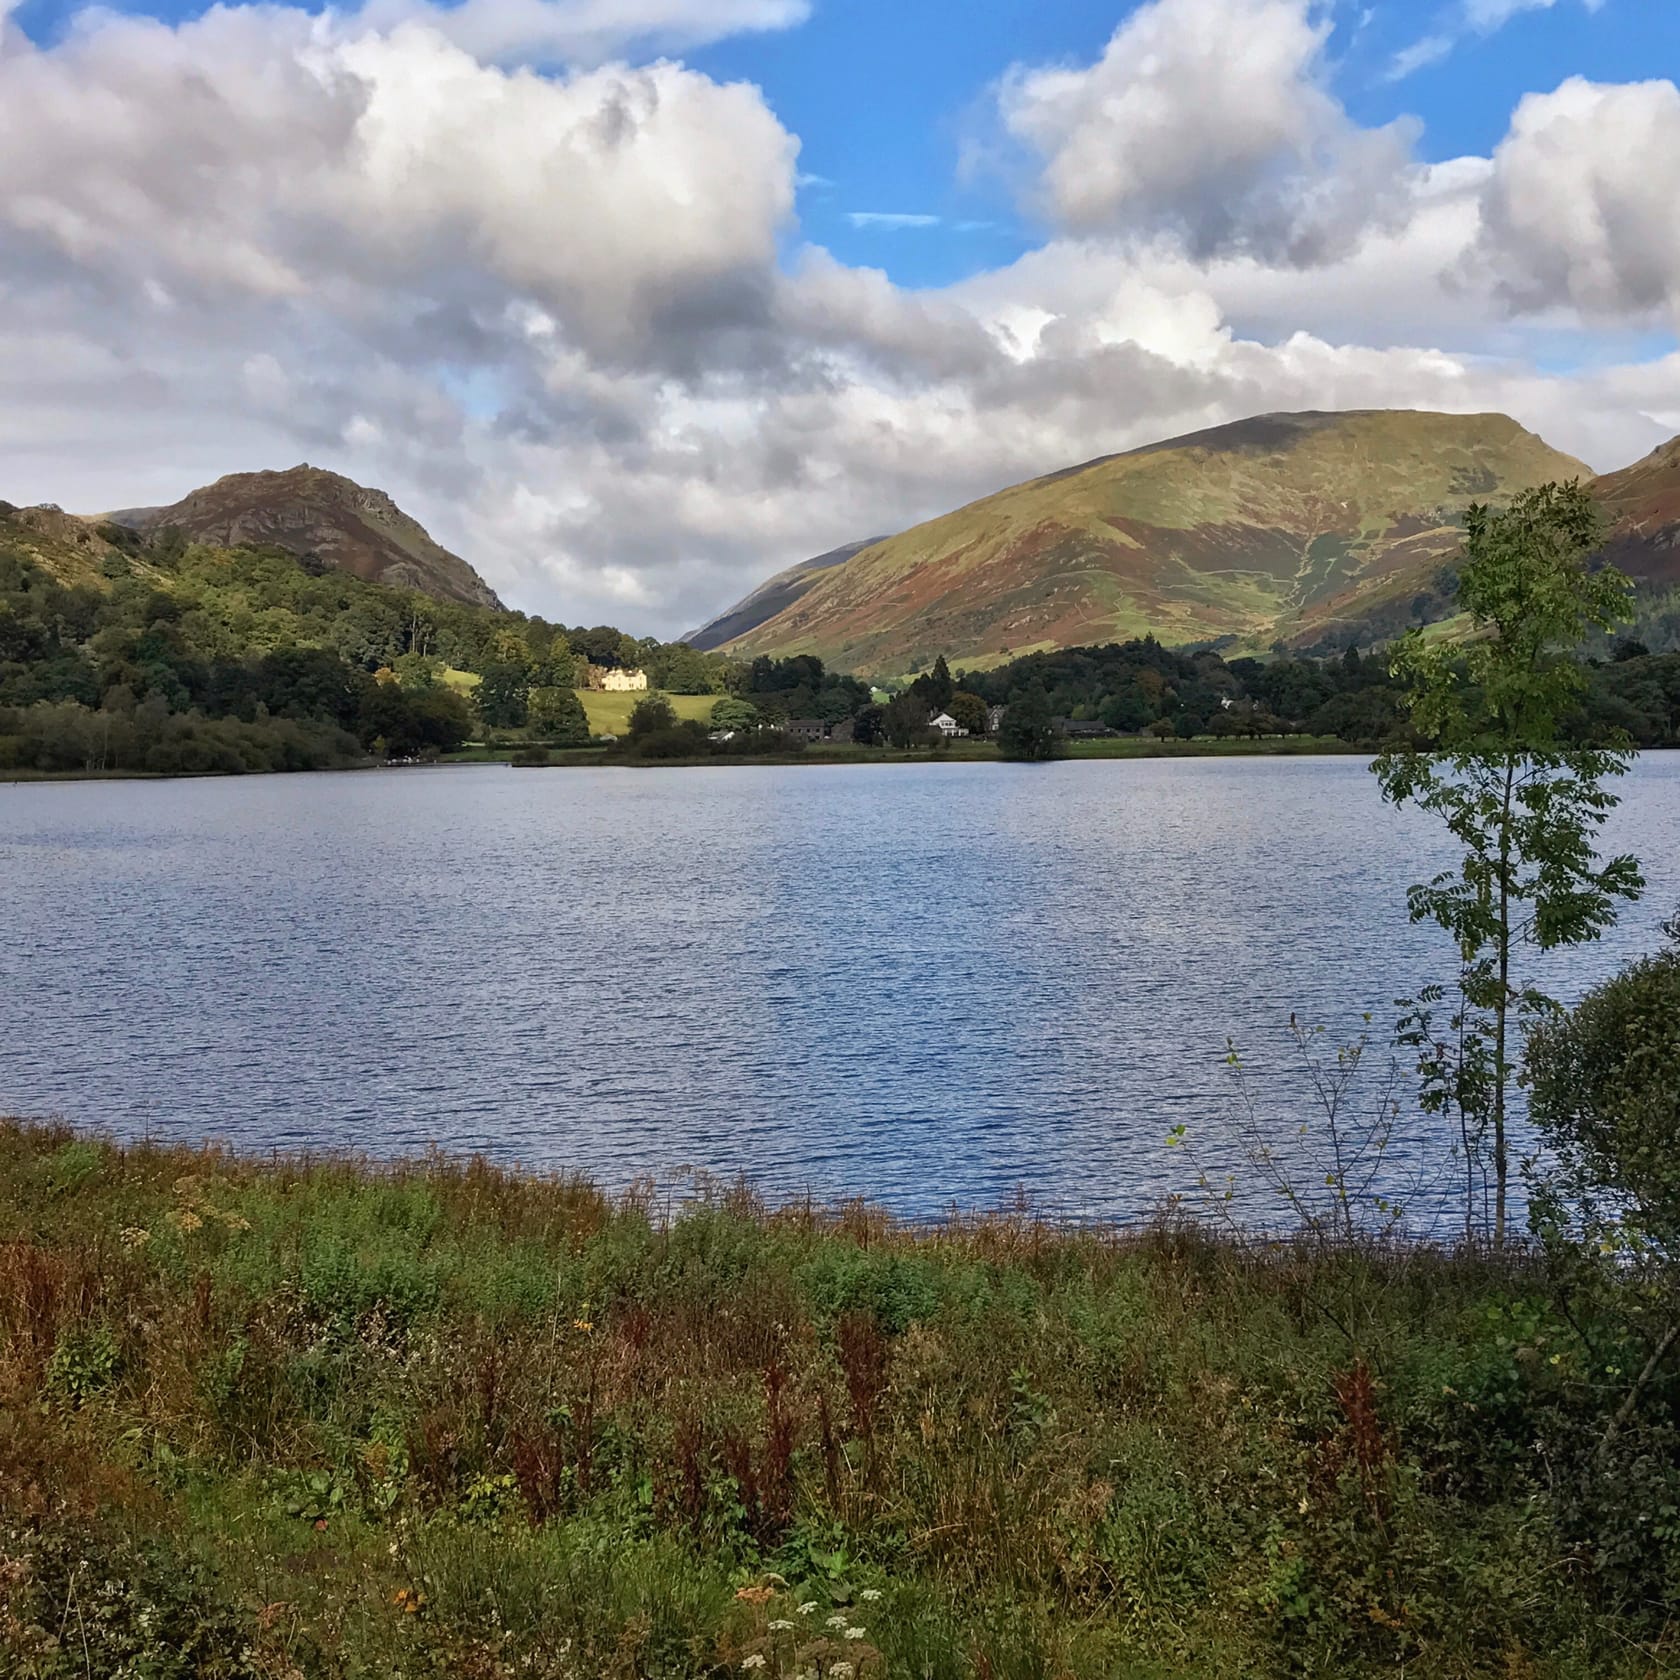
923 984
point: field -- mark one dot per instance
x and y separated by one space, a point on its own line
609 714
316 1420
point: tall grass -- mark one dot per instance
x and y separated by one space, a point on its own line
331 1418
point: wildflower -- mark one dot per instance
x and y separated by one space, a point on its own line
807 1607
135 1236
583 1324
780 1625
755 1595
870 1594
836 1621
185 1220
840 1671
756 1660
857 1633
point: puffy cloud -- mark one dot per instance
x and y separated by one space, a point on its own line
259 153
1210 119
562 318
1580 206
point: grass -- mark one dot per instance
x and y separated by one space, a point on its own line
609 714
310 1419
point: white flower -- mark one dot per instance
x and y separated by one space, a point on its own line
780 1625
756 1660
836 1621
840 1671
870 1594
807 1607
857 1633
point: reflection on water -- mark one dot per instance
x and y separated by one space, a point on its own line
923 984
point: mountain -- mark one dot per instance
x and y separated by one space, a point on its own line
313 512
1643 501
770 598
1286 527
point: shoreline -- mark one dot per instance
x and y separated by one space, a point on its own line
584 758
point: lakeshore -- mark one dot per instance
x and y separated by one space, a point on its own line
327 1418
956 752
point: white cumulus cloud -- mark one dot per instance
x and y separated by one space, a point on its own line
1211 119
564 317
1580 207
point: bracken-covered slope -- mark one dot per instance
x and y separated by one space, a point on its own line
69 548
310 511
771 597
1643 504
1281 527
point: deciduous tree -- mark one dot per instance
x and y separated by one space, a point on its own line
1523 804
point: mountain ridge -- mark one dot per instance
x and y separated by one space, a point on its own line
1280 527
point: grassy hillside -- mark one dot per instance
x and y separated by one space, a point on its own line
1273 528
318 1421
771 597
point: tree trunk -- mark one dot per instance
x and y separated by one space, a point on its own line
1501 1073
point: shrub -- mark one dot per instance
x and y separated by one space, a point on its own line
1606 1096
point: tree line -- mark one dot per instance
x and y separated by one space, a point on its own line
177 637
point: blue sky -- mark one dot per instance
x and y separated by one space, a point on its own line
887 96
884 94
631 324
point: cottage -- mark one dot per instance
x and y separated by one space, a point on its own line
994 718
946 725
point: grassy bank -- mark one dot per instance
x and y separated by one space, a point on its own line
314 1419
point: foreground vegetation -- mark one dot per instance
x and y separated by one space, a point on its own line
321 1419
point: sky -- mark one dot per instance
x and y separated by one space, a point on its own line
634 302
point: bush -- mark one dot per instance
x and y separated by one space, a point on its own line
1606 1095
652 715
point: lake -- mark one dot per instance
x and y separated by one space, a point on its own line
924 984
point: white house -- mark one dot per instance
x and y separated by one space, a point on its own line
608 679
946 725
